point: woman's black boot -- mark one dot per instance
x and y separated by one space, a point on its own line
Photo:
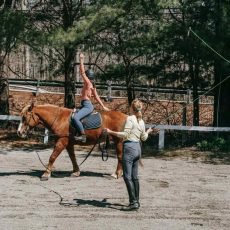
133 204
137 190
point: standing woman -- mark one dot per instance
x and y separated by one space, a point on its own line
133 133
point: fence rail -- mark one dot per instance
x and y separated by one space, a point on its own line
113 89
162 128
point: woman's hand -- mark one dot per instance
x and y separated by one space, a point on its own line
149 130
152 130
106 130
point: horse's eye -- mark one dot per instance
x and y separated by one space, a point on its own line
23 119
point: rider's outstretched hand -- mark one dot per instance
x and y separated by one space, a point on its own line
81 56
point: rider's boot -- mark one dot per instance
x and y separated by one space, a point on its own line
81 138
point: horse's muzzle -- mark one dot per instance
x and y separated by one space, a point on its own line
22 134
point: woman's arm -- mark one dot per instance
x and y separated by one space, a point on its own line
125 133
95 94
145 134
82 69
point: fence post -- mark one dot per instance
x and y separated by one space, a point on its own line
161 142
109 89
46 136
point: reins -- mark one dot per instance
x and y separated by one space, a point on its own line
103 150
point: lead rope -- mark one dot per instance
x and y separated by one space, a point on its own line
89 153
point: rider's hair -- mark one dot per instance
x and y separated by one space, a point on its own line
137 107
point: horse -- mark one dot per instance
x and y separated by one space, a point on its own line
57 120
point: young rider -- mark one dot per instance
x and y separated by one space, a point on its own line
87 92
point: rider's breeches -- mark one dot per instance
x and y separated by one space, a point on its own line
130 157
86 109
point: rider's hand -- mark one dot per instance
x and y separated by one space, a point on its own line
105 108
81 56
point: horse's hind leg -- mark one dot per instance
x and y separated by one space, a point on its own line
119 171
59 147
76 170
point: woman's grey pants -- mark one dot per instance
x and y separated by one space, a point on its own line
131 155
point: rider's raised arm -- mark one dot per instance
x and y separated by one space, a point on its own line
98 99
82 69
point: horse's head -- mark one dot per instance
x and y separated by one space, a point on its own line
29 120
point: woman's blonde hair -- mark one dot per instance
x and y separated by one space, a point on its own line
137 107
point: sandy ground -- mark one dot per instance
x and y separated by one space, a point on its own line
176 193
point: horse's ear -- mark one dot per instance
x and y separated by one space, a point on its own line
31 106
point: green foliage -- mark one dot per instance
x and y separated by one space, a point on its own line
11 27
217 144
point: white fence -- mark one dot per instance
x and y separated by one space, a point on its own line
18 118
162 128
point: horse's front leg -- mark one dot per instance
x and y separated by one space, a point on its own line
119 148
76 170
59 147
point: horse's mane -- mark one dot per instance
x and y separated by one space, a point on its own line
27 107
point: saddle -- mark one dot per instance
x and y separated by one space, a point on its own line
91 121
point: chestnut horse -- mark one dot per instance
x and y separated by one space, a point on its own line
57 120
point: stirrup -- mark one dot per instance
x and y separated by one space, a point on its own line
81 138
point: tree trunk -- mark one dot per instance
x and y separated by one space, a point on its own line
69 78
194 78
224 105
4 96
70 53
217 65
4 90
217 91
196 109
130 94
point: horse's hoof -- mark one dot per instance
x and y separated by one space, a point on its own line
75 174
44 178
114 175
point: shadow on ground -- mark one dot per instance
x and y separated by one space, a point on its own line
96 203
55 174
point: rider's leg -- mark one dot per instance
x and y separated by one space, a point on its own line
86 109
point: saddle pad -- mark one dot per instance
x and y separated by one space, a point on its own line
92 121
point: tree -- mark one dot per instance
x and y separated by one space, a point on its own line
11 26
221 67
129 41
189 62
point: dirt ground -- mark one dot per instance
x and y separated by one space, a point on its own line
182 189
179 192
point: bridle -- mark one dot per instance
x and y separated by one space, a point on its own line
31 117
27 121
